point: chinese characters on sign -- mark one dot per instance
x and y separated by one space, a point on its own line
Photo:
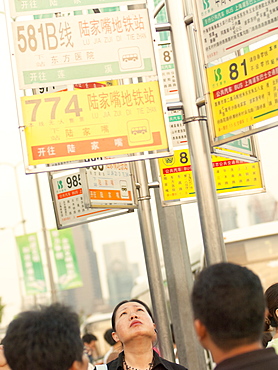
34 279
85 48
21 7
243 91
228 25
68 200
108 185
168 73
177 127
65 258
231 176
88 123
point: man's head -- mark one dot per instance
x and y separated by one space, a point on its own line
89 341
45 338
228 305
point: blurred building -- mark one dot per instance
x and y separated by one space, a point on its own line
87 299
120 274
262 208
228 214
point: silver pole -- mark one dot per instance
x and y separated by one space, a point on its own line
23 224
197 136
180 282
46 246
22 219
152 263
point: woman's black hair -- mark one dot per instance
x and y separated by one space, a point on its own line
126 301
271 295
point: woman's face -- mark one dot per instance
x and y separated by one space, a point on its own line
131 321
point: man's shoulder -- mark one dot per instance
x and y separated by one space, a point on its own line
255 360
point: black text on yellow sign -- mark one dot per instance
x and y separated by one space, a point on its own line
243 91
231 176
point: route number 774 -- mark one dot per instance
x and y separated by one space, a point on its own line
71 107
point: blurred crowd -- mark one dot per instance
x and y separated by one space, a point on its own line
92 351
234 320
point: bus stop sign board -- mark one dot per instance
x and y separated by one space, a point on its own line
228 26
243 91
83 48
231 176
109 185
89 123
68 201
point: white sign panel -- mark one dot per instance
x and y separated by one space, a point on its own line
168 72
85 48
177 127
21 7
228 25
68 200
109 185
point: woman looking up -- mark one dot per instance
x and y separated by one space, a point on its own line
133 326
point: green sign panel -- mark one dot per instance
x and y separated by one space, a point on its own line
36 7
31 262
65 259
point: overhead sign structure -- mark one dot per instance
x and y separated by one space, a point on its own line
68 201
21 7
228 26
32 266
109 185
243 91
83 48
232 178
89 123
65 259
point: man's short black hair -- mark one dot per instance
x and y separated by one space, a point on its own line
88 338
44 338
229 300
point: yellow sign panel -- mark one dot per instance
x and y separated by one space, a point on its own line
244 91
89 123
230 176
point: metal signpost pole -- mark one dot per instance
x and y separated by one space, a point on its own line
46 246
23 224
152 263
180 282
197 135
